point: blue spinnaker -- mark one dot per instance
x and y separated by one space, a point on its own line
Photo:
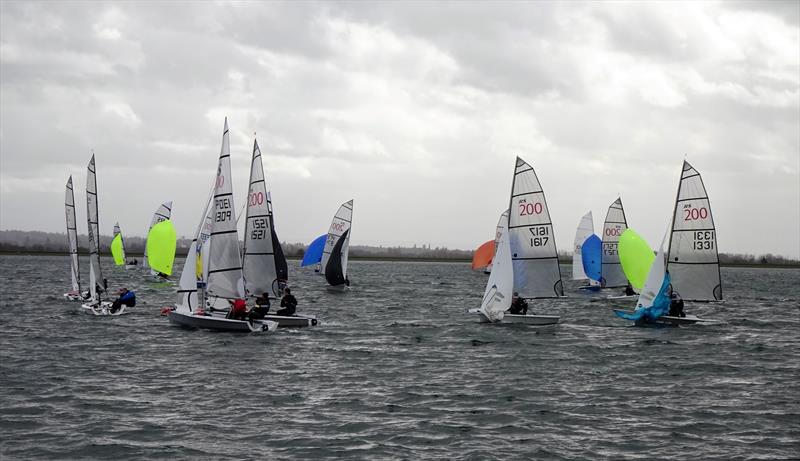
313 254
591 253
660 305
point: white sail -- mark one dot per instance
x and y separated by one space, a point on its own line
533 247
72 237
225 278
187 286
613 228
585 229
340 225
258 261
502 223
655 279
94 228
497 297
693 258
163 212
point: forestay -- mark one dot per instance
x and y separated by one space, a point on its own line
163 212
72 237
94 229
613 228
263 264
339 231
585 229
693 259
225 278
498 294
533 246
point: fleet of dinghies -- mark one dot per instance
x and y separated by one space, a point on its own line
522 260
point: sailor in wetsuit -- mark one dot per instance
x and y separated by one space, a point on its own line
676 305
518 305
629 290
288 303
126 297
261 309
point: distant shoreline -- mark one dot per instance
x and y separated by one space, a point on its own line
393 259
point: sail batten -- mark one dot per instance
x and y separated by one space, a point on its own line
534 256
693 258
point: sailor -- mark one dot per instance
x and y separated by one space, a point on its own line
126 297
288 303
163 276
518 305
261 309
629 290
676 305
238 309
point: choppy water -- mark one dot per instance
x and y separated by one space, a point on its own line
397 370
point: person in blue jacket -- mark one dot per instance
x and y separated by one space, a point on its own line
126 297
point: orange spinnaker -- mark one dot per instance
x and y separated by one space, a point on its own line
483 255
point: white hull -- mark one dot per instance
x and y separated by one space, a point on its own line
71 296
622 297
295 321
669 320
219 323
539 320
104 308
338 288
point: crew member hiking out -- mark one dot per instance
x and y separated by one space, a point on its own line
518 305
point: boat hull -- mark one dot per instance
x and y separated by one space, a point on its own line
294 321
104 308
669 320
537 320
338 288
218 323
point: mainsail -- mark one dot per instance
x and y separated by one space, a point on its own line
613 227
118 246
190 275
95 274
338 232
693 260
225 278
72 237
533 247
164 211
498 294
585 229
263 264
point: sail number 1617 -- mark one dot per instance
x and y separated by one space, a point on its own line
541 235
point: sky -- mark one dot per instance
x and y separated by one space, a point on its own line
416 110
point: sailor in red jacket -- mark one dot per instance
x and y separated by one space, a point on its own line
238 309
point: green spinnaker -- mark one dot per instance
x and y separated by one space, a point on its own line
117 251
161 242
636 257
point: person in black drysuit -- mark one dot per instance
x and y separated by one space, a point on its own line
518 305
288 303
126 297
629 290
676 305
261 309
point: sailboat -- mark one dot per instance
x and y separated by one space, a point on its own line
313 254
163 212
533 262
693 260
118 248
161 244
653 304
334 255
216 268
72 240
95 304
584 231
614 225
263 264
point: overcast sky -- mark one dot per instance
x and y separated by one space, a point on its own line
414 109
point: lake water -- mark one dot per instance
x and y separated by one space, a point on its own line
397 370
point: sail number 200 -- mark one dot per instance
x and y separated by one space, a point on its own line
541 234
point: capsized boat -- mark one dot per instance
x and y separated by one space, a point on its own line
72 241
216 269
337 246
693 260
530 266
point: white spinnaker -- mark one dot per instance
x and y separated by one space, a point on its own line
533 247
499 287
655 278
693 261
187 286
163 212
117 230
72 237
585 229
258 263
94 227
615 224
339 225
225 278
